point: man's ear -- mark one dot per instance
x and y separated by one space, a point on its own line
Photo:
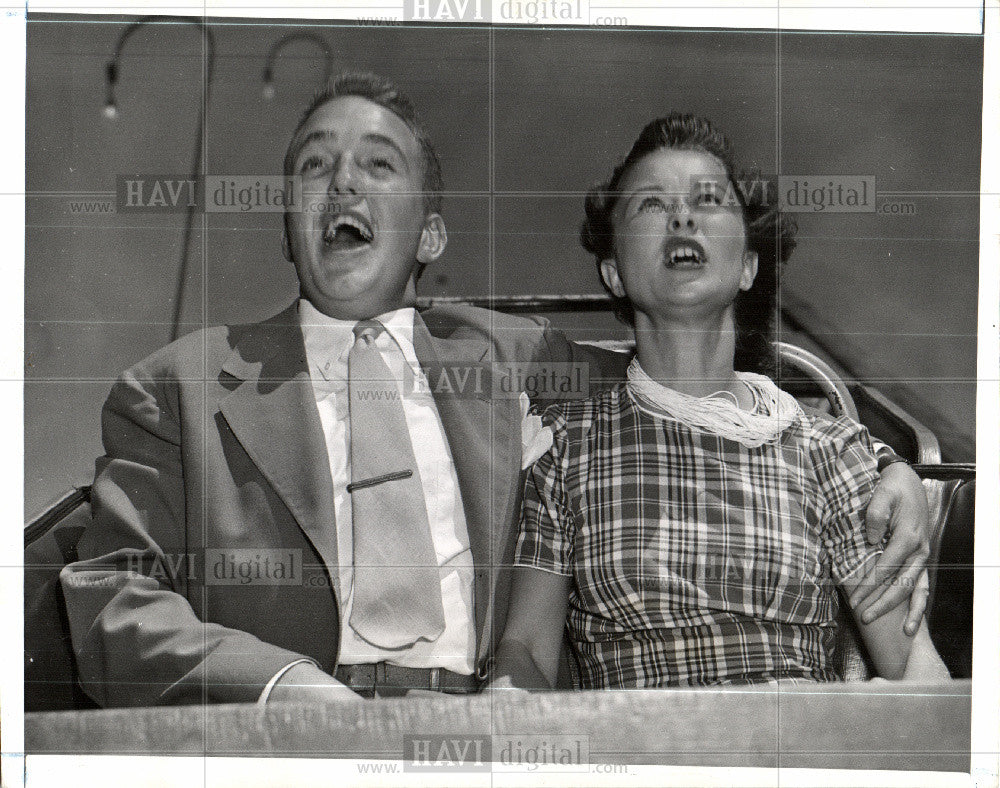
609 273
433 239
749 270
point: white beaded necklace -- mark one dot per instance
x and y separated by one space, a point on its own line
772 412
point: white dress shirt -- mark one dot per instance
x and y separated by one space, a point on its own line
328 342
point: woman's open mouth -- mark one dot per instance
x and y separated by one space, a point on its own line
347 232
684 255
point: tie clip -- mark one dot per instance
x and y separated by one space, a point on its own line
385 477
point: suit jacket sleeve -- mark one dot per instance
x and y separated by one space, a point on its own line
603 368
137 638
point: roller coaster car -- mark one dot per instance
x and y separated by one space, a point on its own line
50 538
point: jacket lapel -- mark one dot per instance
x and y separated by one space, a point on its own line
275 398
483 433
274 395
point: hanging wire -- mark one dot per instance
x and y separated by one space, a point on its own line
112 71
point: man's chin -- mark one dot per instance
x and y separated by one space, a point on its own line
353 300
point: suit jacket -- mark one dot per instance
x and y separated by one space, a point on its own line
216 473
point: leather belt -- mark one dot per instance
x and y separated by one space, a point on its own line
380 678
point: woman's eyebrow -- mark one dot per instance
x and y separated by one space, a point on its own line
652 186
634 191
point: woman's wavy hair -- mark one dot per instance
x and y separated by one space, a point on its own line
769 233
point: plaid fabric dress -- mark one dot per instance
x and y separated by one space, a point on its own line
696 560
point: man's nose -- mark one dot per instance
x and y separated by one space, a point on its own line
682 221
345 178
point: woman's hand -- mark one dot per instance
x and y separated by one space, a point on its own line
899 504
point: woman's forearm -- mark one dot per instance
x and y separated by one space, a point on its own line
897 655
515 666
528 654
924 663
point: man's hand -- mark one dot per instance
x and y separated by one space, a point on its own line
899 504
305 683
503 687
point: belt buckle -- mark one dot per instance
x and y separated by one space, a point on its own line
362 678
434 679
484 668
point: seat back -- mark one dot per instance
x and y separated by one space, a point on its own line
793 358
50 678
949 610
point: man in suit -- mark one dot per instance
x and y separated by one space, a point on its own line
250 483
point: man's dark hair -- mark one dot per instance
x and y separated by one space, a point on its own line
381 91
769 233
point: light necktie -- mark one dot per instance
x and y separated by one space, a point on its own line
397 584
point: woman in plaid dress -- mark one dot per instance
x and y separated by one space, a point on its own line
690 525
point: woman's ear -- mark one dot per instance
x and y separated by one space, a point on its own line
749 270
433 239
609 273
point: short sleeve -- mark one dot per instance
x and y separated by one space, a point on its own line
547 526
846 470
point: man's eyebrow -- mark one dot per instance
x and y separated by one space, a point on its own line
322 135
384 140
319 135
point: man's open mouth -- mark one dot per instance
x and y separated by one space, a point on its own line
348 231
686 255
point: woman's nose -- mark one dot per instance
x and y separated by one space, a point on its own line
682 222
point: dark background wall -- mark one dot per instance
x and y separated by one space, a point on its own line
524 120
